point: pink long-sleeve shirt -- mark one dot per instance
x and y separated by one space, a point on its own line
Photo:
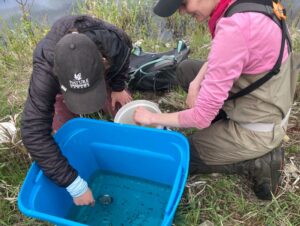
245 43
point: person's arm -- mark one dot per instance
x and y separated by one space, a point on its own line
227 58
194 87
144 117
36 126
115 45
117 82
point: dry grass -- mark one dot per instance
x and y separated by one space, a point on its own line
223 200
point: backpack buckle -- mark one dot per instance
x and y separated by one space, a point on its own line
279 10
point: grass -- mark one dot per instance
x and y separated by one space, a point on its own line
219 199
227 200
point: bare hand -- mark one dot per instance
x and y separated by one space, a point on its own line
85 199
192 95
122 97
142 116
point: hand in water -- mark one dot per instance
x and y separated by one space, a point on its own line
85 199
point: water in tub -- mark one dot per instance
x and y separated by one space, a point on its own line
123 201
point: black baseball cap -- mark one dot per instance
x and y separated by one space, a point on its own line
80 71
165 8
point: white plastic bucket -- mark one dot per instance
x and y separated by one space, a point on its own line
125 114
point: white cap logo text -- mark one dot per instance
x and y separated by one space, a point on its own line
78 82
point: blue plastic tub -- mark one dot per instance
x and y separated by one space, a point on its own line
154 155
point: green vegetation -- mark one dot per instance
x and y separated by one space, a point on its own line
222 200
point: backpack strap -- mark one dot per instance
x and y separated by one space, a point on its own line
266 7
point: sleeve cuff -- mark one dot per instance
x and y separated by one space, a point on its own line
78 187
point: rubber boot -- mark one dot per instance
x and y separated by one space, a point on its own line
266 173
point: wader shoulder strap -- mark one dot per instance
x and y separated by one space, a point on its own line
260 6
266 7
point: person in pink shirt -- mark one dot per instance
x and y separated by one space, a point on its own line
241 135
